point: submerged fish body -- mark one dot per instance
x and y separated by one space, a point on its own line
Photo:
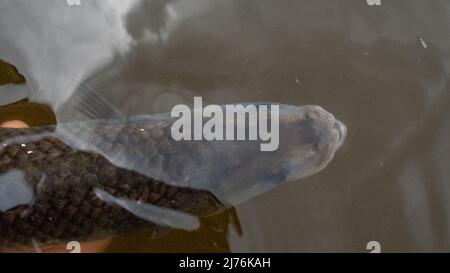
64 205
88 179
234 171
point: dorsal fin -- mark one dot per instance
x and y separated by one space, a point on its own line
86 104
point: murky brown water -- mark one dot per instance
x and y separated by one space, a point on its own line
382 70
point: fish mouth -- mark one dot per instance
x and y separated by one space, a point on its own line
341 130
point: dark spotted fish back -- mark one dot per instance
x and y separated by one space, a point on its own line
65 207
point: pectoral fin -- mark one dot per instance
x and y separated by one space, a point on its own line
14 190
161 216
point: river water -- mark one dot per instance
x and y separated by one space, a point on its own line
383 70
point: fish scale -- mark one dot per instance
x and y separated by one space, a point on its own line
65 206
100 174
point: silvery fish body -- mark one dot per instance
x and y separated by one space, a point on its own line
84 180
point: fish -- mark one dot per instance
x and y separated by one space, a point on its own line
98 173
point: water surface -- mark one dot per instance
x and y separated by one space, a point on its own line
383 70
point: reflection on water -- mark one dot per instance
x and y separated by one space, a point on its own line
382 70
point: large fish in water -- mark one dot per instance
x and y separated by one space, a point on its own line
99 173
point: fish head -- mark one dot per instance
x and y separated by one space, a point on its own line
309 138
